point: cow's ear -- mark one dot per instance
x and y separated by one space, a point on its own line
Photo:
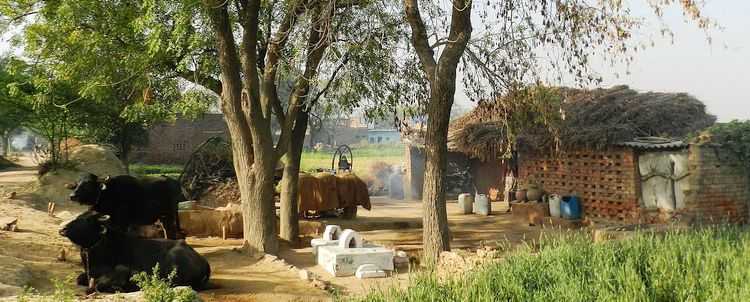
104 218
71 186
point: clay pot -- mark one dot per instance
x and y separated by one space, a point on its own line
534 194
521 195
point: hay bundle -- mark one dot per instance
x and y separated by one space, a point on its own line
352 191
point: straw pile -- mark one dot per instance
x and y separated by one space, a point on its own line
558 119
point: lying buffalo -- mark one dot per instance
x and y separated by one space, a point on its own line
132 201
111 257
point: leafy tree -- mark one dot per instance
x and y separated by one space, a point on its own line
11 114
332 45
518 40
99 50
37 96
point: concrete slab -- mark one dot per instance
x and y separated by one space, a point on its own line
345 261
345 258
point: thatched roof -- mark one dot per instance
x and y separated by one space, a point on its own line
553 119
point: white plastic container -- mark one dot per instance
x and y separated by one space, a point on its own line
554 205
482 205
466 203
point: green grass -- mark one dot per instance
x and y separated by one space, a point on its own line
171 171
364 158
708 264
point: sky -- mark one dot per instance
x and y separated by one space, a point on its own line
717 74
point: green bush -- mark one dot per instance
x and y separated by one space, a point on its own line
5 163
700 265
156 289
63 292
735 136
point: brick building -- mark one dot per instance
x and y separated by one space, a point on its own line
173 143
599 155
634 182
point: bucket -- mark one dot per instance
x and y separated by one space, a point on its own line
554 205
466 203
570 207
482 205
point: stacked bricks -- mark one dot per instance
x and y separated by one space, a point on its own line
605 181
719 186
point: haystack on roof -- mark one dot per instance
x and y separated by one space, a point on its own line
574 118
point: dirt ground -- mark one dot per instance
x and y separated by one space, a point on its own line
32 255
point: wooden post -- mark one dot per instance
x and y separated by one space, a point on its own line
224 232
52 209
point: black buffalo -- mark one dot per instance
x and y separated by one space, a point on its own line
132 201
111 257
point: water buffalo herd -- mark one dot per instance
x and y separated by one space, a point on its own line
110 252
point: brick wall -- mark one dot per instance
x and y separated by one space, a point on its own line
719 186
173 143
605 181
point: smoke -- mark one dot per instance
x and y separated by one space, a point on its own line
19 142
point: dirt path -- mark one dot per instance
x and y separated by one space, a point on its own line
32 255
18 179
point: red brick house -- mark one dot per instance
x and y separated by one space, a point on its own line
593 149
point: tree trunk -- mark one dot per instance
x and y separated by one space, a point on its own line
437 236
254 161
441 75
6 144
289 218
124 146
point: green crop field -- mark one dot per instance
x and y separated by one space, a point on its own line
171 171
708 264
364 158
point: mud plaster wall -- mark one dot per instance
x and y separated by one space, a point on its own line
719 186
489 177
605 181
485 175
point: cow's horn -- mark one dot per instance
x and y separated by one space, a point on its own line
104 218
71 186
107 178
104 187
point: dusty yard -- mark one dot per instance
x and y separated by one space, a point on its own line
34 254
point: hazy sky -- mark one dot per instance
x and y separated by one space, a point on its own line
716 74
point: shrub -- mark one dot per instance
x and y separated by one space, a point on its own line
380 171
5 163
156 289
63 292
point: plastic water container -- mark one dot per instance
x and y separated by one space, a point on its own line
554 205
482 205
570 207
466 203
